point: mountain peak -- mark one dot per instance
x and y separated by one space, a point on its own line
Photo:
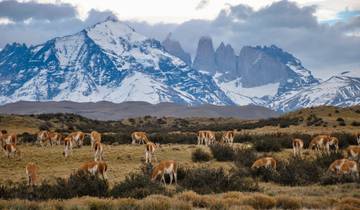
112 18
174 47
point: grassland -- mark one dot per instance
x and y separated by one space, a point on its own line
124 158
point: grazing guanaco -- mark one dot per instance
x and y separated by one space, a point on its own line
68 144
2 135
228 137
332 142
344 166
139 137
98 151
31 172
165 167
43 138
206 137
78 138
10 138
353 152
55 138
95 137
266 162
297 145
11 150
150 148
318 143
95 168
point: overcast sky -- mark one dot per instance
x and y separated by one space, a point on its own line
324 34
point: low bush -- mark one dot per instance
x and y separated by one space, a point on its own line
265 174
200 155
267 145
324 160
116 137
244 157
355 123
222 152
136 185
331 178
28 138
207 180
298 172
78 184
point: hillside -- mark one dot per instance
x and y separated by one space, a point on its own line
113 111
314 120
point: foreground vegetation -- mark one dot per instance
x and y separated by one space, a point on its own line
216 177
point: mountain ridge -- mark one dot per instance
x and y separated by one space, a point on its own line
104 110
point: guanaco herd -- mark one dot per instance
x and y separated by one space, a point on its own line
320 143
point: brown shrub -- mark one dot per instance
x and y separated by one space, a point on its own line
156 202
260 201
350 203
286 202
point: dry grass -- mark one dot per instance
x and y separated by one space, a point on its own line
122 160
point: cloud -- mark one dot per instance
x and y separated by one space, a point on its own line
18 11
202 4
321 47
37 30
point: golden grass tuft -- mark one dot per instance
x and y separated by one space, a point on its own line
261 201
287 202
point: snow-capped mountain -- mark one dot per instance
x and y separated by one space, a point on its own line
336 91
108 61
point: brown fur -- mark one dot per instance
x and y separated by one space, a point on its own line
95 168
55 138
297 145
43 138
267 162
344 166
139 137
68 144
95 137
31 172
11 150
228 137
318 143
98 151
165 167
206 137
332 142
9 138
353 152
150 148
78 138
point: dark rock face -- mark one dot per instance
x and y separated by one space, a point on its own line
205 56
258 68
174 48
225 59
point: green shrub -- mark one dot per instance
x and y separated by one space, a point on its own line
265 174
267 145
207 180
298 171
137 186
222 152
244 157
78 184
200 155
331 178
28 138
355 123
